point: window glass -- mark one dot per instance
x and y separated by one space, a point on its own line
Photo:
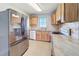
42 21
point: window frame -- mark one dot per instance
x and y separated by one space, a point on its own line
45 20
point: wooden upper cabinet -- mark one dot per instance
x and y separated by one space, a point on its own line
62 12
78 11
66 12
58 13
70 12
53 18
33 20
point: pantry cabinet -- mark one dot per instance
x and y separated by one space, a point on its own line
70 12
33 21
43 36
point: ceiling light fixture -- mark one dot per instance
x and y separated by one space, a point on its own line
35 6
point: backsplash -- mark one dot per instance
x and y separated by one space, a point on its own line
74 26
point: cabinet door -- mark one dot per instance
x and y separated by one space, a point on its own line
48 37
78 11
43 35
70 12
62 12
33 20
67 7
38 35
58 13
53 18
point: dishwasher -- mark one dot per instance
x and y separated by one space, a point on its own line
33 35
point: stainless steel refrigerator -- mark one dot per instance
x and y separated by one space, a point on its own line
13 33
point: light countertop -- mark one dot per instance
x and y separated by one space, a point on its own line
64 46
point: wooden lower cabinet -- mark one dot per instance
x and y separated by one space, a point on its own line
43 36
38 35
48 37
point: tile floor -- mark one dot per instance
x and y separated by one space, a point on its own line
38 48
62 46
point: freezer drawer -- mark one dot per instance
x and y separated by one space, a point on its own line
19 49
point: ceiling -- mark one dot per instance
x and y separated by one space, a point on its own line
24 7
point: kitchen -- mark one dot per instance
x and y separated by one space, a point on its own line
56 29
